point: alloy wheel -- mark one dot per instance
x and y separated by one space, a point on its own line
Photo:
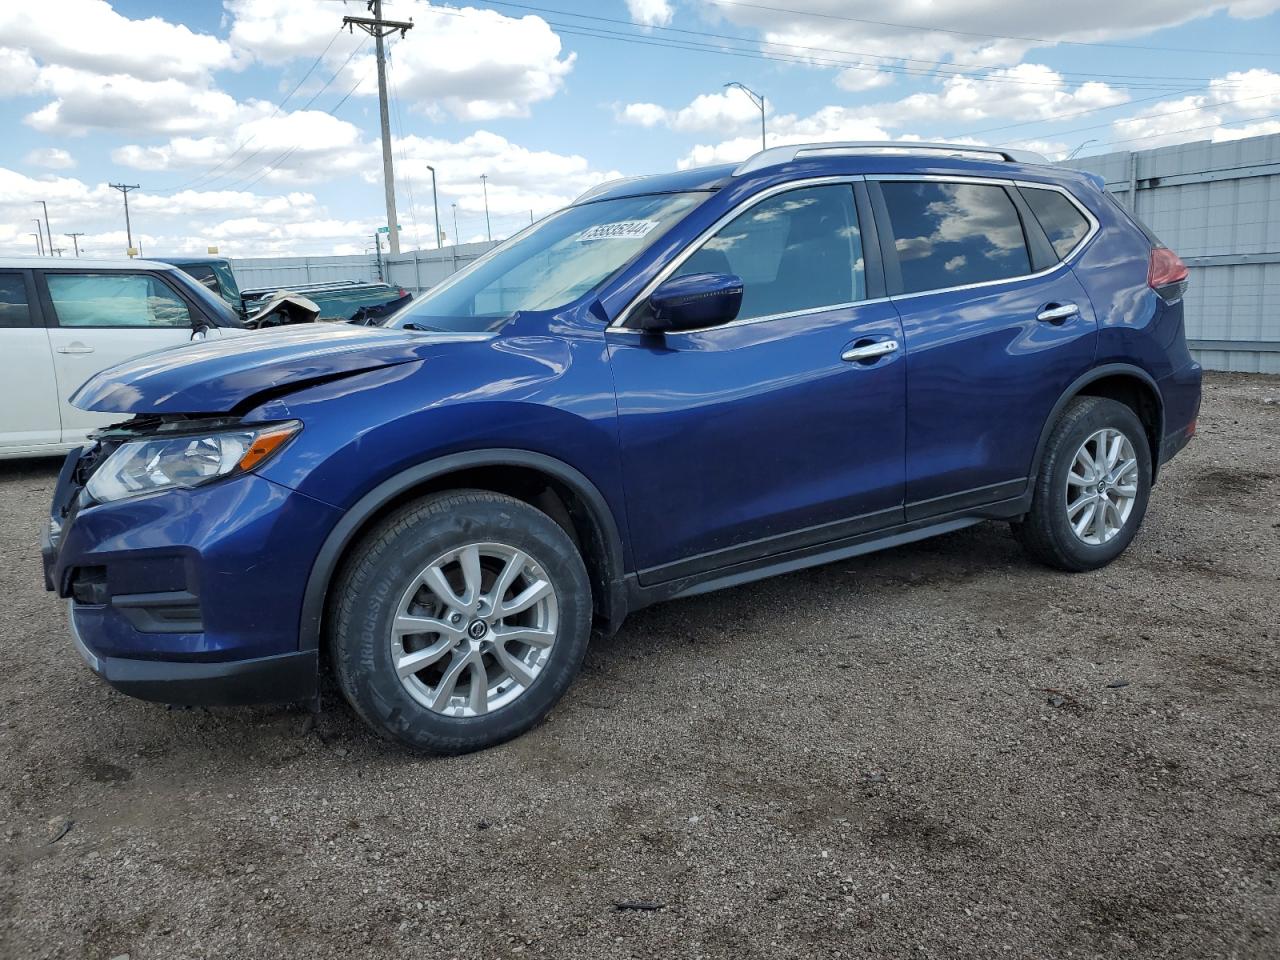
1101 487
474 629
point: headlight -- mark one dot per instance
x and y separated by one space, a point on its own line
162 463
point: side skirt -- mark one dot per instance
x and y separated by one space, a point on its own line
639 595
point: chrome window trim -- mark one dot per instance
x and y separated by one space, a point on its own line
707 234
1094 226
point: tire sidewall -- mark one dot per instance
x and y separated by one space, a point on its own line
362 648
1108 415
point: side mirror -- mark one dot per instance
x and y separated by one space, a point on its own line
692 302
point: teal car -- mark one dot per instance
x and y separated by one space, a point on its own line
337 299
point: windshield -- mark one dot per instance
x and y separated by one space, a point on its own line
548 265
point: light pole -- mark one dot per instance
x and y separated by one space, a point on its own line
435 202
1072 154
484 183
47 234
456 239
758 100
39 244
39 238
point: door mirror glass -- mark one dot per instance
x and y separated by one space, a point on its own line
694 301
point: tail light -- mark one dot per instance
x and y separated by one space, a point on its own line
1166 273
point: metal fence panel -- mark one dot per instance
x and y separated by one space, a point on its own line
1218 206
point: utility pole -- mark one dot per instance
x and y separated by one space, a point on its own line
378 28
57 251
48 235
75 242
124 188
435 202
484 183
758 100
39 236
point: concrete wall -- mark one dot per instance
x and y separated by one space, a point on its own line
1218 206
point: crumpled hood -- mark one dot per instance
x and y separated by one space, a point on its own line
217 375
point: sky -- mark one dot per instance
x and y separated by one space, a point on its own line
252 125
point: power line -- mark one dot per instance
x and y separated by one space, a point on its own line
1170 113
404 163
990 36
280 106
1211 126
931 64
305 106
600 33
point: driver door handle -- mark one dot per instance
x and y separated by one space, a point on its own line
75 348
870 351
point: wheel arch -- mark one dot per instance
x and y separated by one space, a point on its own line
1123 382
548 484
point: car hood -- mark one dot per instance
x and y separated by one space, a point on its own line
221 374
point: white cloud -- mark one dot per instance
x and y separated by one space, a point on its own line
827 124
729 109
849 25
859 80
18 72
300 147
1234 97
474 63
51 157
90 35
651 13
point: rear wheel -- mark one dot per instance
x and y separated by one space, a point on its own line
1091 492
460 621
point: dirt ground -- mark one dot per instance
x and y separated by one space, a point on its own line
937 751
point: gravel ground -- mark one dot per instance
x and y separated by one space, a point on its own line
938 751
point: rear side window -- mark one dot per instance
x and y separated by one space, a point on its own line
115 300
952 234
14 311
799 250
1062 221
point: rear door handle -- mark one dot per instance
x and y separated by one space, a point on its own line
75 348
870 351
1056 313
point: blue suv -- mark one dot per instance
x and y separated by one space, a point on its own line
676 384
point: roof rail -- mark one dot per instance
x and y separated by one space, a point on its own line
776 155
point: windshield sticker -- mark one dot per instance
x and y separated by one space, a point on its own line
621 230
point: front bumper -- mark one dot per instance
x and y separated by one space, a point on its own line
284 678
190 596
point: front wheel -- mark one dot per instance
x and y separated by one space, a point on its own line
460 621
1091 493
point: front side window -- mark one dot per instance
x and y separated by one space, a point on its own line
14 311
799 250
115 300
951 234
1062 221
548 265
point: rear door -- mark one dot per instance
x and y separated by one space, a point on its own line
996 328
28 392
100 319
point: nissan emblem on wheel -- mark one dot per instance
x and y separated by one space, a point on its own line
675 384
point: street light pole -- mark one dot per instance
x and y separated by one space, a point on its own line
484 183
39 238
758 100
456 239
39 244
435 202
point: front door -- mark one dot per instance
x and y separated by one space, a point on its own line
995 328
748 440
100 319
